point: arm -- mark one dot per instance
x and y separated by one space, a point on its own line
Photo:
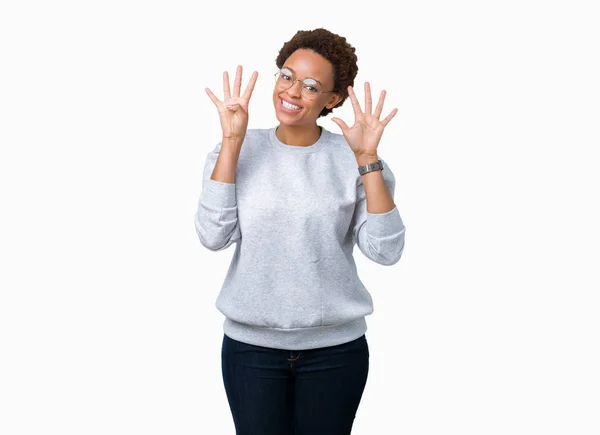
216 218
377 227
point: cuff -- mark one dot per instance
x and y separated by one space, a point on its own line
385 224
218 193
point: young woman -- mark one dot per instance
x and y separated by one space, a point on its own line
295 199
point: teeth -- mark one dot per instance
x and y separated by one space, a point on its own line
289 106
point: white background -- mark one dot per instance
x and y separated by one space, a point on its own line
489 324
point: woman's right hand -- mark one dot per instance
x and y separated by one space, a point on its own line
233 111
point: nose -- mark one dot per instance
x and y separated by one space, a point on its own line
295 89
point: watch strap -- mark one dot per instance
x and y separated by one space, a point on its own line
370 167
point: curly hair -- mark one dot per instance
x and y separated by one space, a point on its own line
332 47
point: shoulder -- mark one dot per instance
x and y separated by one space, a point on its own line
256 136
256 132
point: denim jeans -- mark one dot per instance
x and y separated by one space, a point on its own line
287 392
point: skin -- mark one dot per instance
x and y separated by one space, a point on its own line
233 110
301 129
363 138
233 114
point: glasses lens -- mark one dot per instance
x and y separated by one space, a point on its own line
311 90
285 78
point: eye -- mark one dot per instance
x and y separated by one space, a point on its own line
312 89
285 76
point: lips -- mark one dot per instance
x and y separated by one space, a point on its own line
286 109
291 102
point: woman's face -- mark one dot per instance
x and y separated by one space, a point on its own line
305 63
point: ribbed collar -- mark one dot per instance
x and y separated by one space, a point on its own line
323 139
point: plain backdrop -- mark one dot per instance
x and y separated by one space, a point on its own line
488 324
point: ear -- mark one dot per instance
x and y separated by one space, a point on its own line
335 99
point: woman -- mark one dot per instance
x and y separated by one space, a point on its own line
295 357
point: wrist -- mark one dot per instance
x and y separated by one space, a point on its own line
364 159
232 143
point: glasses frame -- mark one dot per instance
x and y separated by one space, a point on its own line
304 85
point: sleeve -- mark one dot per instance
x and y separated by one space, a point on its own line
216 218
379 236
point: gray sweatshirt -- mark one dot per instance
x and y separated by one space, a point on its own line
294 214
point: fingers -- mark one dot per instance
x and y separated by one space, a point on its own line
368 100
354 101
379 107
389 117
343 126
237 85
250 87
233 107
226 90
213 97
238 82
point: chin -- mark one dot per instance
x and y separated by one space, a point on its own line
283 119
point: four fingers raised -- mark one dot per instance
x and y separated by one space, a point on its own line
236 87
368 103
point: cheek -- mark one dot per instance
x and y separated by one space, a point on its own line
317 106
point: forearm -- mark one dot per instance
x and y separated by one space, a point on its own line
225 167
379 199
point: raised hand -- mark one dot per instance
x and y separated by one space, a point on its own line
233 110
364 136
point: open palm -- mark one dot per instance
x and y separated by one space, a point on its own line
233 110
364 136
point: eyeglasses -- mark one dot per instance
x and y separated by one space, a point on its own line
311 89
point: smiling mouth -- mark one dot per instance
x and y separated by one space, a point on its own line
287 108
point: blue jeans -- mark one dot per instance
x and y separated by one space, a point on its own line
288 392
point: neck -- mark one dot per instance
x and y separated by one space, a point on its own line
298 135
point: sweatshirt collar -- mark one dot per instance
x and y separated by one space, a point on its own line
323 139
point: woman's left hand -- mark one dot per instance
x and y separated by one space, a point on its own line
364 136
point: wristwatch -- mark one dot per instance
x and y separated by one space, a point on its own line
377 166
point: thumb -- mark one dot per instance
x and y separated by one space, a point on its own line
340 123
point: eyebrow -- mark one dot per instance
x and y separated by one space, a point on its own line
292 70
